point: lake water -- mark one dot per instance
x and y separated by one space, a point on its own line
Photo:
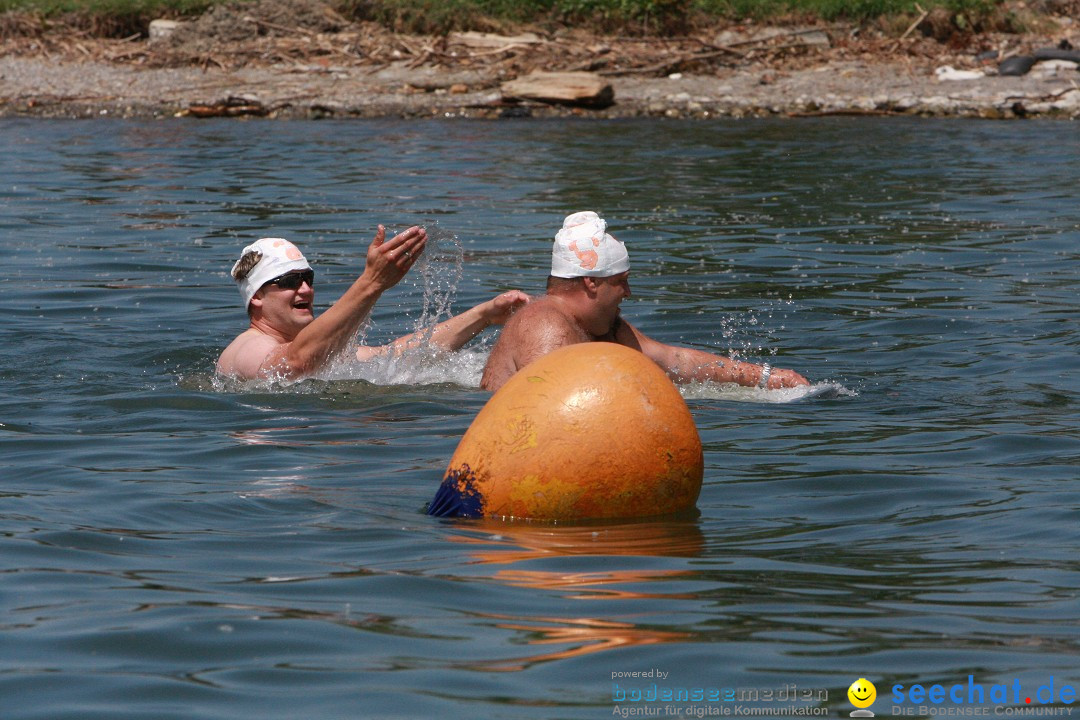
172 548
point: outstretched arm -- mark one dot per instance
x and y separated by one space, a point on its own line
687 364
452 334
386 263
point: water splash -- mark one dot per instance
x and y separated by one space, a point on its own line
438 272
753 331
418 366
738 393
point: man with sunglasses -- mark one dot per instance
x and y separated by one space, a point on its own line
285 339
590 277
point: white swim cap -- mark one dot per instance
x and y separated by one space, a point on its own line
279 256
584 249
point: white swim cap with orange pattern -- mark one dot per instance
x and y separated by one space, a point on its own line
584 249
279 256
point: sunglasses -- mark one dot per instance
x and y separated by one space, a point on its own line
293 280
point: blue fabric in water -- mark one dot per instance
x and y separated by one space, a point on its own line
457 496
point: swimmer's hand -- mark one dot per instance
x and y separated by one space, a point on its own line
389 260
499 309
781 378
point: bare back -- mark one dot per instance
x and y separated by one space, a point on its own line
246 356
535 330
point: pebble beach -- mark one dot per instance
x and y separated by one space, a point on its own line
345 70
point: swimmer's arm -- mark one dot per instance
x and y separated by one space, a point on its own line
688 364
329 333
452 334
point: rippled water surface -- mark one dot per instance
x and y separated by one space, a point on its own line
172 548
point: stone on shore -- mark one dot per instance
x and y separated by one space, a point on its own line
162 29
564 88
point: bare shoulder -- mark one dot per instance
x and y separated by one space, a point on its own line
533 331
541 305
542 319
244 356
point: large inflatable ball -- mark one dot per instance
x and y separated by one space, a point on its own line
589 431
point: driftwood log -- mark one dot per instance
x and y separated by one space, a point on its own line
583 89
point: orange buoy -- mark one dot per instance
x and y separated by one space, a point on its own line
593 430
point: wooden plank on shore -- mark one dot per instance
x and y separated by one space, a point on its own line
490 41
564 88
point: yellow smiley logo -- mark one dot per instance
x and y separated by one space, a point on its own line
862 693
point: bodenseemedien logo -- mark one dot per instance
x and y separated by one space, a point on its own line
862 695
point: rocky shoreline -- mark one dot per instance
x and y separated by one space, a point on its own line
346 74
44 88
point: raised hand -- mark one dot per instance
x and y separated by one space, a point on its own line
389 260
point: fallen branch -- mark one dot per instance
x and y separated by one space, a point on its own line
590 65
39 100
206 60
401 46
665 67
917 23
424 56
840 113
496 51
130 54
280 28
719 48
761 41
1044 98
